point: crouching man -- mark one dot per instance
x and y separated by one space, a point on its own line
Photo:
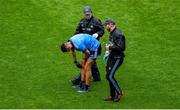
91 49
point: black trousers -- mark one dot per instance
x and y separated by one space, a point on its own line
95 72
112 65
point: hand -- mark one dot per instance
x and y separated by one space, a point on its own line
106 56
95 35
107 46
77 64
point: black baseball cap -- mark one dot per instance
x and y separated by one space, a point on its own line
63 48
109 21
87 10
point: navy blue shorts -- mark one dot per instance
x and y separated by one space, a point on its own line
95 54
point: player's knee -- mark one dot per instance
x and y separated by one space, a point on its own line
90 62
83 66
88 67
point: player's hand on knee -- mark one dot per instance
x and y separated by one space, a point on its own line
77 64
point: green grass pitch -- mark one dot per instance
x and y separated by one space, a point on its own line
34 74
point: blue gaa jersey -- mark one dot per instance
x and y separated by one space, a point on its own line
83 42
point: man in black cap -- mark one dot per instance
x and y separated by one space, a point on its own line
93 26
115 48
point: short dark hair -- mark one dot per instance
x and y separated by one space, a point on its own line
63 47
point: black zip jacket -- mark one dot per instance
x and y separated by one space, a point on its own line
90 26
117 39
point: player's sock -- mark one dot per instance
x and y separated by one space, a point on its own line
82 84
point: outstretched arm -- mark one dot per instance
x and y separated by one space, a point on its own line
73 53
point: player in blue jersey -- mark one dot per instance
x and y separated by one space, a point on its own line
91 49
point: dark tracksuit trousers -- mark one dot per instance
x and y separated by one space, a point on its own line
112 65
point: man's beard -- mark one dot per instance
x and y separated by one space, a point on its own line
108 29
88 18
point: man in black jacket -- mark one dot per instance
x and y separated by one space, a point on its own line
93 26
115 49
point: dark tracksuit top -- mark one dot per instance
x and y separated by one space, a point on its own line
91 27
117 38
115 59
